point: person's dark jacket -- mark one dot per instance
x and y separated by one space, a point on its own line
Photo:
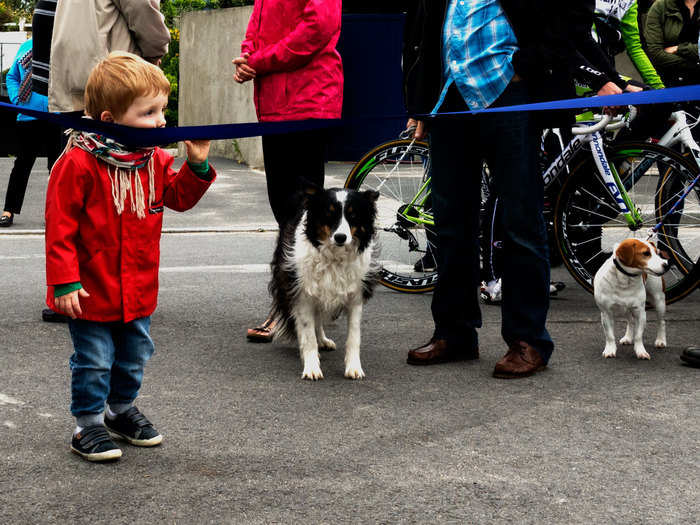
546 58
664 26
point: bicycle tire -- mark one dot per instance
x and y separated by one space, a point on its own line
588 223
397 169
685 222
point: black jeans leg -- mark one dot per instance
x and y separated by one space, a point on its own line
290 159
456 196
26 155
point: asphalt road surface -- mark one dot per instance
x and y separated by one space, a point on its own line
247 441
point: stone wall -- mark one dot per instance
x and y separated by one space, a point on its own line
209 40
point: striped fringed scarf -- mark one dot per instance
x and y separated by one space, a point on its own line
122 167
25 88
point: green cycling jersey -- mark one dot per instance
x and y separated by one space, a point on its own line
624 14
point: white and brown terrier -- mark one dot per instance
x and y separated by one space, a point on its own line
624 283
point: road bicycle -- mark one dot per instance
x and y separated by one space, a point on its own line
597 199
662 202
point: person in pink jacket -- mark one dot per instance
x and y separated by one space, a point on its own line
289 53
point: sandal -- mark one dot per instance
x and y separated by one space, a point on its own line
6 220
263 333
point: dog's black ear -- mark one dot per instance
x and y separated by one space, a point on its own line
371 195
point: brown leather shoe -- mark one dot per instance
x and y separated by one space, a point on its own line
521 360
437 351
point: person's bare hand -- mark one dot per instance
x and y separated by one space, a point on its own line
633 89
69 304
197 150
610 88
419 133
243 71
671 49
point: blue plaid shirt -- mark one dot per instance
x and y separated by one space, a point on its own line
477 50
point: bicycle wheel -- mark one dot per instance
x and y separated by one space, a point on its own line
680 229
399 170
588 222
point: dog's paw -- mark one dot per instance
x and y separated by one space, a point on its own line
312 373
626 340
660 343
354 372
326 345
609 351
642 353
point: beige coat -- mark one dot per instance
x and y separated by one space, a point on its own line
86 31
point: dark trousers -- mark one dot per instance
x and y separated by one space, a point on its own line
34 137
290 159
508 142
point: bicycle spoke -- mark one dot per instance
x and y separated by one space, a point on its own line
589 212
397 170
600 200
588 222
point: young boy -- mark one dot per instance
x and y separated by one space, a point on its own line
104 212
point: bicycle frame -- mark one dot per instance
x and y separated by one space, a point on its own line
679 133
607 171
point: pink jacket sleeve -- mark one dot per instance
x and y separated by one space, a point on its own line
248 45
320 21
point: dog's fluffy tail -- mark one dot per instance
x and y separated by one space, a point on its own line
283 286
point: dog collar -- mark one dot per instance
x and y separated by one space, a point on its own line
619 267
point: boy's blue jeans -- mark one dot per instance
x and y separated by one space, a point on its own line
107 363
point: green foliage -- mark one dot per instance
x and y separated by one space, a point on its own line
171 68
7 14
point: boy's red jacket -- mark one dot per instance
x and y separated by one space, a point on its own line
299 74
114 257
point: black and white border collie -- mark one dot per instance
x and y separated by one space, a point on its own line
325 263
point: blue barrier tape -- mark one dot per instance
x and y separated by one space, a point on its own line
656 96
148 136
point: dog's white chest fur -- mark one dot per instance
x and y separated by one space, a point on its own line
331 275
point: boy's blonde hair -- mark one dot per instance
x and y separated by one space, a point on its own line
116 81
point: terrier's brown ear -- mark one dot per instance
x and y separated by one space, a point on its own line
625 252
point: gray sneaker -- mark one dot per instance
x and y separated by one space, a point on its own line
94 444
135 428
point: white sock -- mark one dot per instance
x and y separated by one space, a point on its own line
77 430
110 414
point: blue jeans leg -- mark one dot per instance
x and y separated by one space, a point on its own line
90 366
511 152
133 348
508 142
107 363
